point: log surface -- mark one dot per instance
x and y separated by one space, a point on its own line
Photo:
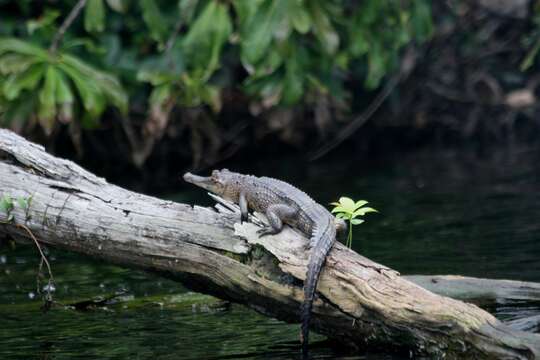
361 303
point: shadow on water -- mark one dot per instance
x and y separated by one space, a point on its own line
440 213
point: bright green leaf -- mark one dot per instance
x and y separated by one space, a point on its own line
360 203
6 204
363 211
347 204
23 203
338 209
94 16
356 221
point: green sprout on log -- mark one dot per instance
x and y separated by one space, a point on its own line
351 211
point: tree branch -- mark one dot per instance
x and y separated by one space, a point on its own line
65 25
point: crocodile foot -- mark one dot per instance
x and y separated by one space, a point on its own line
267 230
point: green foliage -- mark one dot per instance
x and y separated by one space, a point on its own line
281 52
49 85
351 211
6 207
7 204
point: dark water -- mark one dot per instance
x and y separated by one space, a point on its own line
440 213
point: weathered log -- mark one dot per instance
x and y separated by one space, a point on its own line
361 303
484 290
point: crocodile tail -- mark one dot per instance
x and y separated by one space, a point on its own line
322 240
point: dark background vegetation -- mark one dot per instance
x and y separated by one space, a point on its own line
140 91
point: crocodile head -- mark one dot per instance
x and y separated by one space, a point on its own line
221 182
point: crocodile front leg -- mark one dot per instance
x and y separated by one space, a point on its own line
276 214
242 203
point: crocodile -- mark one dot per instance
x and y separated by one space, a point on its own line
282 203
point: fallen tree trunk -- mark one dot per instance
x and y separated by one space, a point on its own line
362 303
471 289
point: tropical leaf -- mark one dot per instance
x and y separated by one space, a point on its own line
16 63
260 29
154 20
207 35
47 99
8 45
323 28
27 80
105 83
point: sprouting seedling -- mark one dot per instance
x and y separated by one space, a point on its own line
349 210
6 207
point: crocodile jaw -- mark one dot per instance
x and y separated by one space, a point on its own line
204 182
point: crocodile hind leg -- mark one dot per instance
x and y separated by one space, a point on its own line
276 214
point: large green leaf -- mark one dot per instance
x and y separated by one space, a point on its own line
154 20
27 80
261 28
105 84
90 94
323 28
47 99
8 45
245 9
63 90
207 35
15 63
94 16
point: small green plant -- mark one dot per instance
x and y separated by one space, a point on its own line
7 204
6 207
350 211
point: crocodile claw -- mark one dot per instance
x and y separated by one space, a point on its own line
265 231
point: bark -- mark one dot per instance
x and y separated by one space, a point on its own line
475 289
361 303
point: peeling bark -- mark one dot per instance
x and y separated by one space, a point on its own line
361 303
